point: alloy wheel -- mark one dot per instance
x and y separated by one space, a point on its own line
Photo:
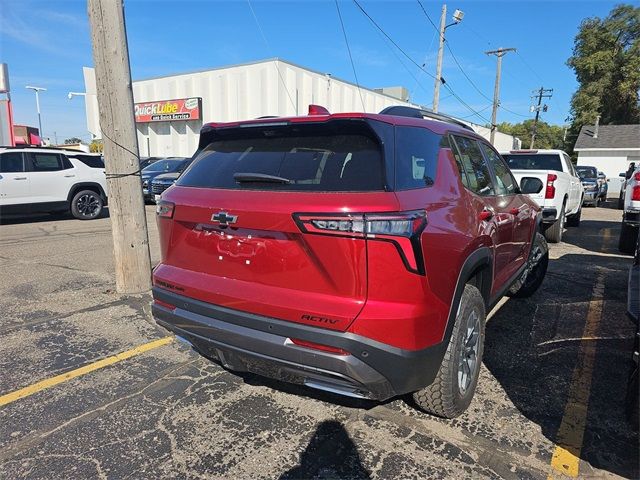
468 361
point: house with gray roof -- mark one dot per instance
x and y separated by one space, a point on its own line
609 148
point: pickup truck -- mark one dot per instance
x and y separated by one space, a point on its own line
562 195
630 214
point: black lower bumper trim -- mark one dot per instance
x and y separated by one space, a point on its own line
243 341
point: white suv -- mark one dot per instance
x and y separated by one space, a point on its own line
34 179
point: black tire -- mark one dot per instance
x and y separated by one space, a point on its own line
554 232
86 205
574 220
539 262
620 201
628 238
452 391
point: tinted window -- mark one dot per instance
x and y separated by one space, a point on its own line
164 166
317 162
475 166
505 183
11 162
45 162
532 161
587 172
416 157
93 161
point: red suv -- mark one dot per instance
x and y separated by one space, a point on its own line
353 253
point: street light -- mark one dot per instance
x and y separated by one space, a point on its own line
70 95
458 15
38 90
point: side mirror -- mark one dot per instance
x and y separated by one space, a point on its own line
623 174
530 185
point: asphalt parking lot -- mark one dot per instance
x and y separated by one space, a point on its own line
549 402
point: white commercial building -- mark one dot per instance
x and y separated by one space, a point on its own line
609 148
170 110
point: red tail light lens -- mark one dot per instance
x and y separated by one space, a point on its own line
551 189
165 209
636 176
403 229
317 346
635 193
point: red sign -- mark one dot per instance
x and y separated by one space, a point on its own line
182 109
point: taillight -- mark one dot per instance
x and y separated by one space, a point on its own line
403 229
636 176
165 209
318 346
635 193
551 189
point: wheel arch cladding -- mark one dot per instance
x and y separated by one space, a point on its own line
94 187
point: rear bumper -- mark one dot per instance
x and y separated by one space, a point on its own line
246 342
549 214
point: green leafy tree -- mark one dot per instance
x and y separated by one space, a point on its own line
72 140
547 136
606 61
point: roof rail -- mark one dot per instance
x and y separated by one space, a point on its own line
402 111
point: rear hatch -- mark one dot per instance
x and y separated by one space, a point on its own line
268 220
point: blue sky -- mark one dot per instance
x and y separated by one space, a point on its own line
46 43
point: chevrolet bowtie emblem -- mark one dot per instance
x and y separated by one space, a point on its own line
224 218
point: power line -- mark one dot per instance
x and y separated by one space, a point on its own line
353 66
266 42
460 100
455 59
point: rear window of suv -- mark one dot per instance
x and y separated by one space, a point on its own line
532 161
298 159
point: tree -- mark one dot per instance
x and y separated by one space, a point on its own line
606 61
72 140
96 146
547 136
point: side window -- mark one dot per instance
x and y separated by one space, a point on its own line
475 166
505 183
416 157
45 162
572 169
11 162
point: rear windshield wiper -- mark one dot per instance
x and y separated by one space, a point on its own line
258 178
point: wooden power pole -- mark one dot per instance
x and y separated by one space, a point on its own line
496 89
115 100
539 94
436 87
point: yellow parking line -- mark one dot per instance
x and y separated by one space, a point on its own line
50 382
566 456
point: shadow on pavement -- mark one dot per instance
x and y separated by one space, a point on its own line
43 217
330 454
532 347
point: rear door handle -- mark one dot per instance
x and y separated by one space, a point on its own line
69 176
19 178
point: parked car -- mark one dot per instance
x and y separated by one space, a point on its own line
165 165
36 179
603 181
353 253
160 183
561 199
623 186
146 161
589 179
630 214
633 311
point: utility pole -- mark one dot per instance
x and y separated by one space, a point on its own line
496 89
438 81
541 93
115 99
457 18
38 90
